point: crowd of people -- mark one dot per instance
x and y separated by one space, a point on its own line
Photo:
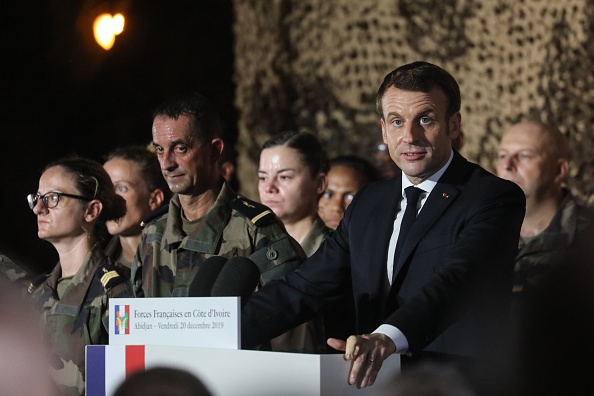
416 251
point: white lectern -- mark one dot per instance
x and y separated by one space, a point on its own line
201 335
232 372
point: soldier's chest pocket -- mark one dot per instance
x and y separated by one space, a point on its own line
440 244
236 244
70 321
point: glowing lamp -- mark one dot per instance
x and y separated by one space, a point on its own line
106 27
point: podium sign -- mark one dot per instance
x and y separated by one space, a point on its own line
228 372
202 335
186 321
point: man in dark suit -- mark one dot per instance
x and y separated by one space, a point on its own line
450 286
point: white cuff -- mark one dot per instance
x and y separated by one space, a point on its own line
395 335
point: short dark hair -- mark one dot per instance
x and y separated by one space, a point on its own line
422 77
147 164
307 145
204 118
359 164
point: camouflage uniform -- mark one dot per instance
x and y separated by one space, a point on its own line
570 234
80 317
315 236
327 319
113 250
12 272
167 259
552 312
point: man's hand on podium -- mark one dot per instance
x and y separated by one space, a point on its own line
367 353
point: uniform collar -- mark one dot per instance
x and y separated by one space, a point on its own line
208 234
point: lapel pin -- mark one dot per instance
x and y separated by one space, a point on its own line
445 195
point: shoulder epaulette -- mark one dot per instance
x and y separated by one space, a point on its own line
258 213
108 275
38 280
155 214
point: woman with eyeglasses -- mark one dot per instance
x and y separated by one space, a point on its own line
74 200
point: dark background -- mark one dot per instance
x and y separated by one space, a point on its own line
64 94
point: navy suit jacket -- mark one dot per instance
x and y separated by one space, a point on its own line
453 284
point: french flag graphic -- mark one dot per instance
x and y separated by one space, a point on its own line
122 319
124 361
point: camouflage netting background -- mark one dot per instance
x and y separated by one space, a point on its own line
318 64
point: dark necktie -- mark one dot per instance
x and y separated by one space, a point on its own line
410 214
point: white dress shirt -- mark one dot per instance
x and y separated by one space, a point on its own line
427 185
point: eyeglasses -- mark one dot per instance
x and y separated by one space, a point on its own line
51 199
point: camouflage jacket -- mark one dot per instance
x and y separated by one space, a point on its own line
14 273
315 236
569 235
167 259
113 250
79 318
315 329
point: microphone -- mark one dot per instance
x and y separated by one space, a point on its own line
207 274
239 277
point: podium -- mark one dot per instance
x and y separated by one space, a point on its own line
234 372
202 335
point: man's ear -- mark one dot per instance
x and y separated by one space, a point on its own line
384 137
156 199
562 169
227 169
322 183
217 146
94 209
455 125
